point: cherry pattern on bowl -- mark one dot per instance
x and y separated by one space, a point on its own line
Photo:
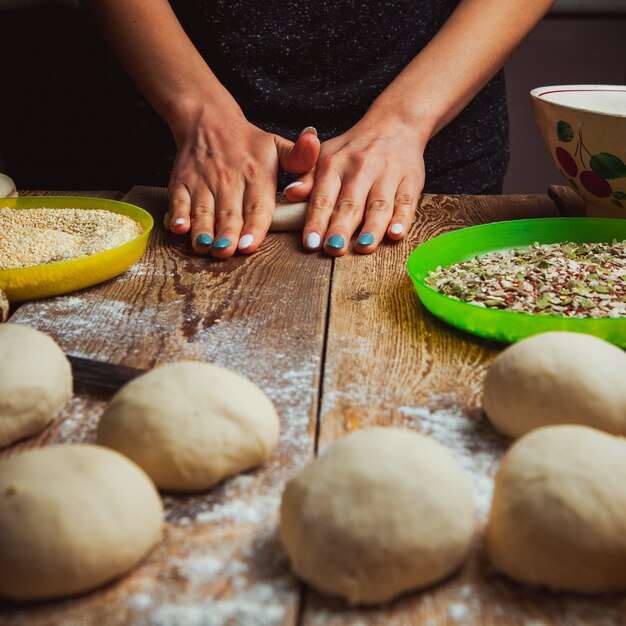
595 170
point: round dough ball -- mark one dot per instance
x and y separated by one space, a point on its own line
71 519
35 381
558 516
4 306
557 378
382 511
7 187
190 425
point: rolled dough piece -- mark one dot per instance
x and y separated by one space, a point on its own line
190 425
72 518
289 216
558 516
35 381
381 512
7 187
4 307
557 378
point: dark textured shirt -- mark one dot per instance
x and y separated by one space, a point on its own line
295 63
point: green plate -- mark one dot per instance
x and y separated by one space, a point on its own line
509 326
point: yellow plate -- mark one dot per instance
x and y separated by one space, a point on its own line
52 279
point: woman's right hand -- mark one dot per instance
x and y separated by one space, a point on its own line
223 182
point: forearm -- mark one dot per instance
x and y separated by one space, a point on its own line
150 43
464 55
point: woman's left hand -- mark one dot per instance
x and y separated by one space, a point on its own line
372 173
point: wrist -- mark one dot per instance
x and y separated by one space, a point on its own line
386 115
186 113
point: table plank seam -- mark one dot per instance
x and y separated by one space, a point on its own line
320 387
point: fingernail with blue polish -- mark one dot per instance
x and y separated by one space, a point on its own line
204 240
366 239
222 243
335 242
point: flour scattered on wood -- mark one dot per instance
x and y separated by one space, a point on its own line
224 565
254 607
468 436
139 601
248 586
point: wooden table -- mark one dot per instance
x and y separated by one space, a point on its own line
338 344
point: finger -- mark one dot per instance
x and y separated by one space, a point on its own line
301 156
300 189
347 213
180 208
320 208
202 221
229 212
378 212
404 208
259 202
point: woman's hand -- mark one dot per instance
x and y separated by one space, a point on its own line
375 172
223 183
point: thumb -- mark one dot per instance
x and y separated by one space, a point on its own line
300 190
301 156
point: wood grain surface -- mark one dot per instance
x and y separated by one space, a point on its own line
338 345
389 362
263 316
107 194
567 201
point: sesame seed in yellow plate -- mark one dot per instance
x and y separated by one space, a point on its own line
39 236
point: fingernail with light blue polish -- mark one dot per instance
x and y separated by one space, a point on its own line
366 239
204 240
335 242
222 243
313 241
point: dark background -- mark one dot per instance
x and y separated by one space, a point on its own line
69 116
71 119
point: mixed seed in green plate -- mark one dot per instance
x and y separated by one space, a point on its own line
562 279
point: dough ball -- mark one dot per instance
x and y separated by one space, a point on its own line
4 306
558 516
382 511
7 187
557 378
35 381
71 519
190 425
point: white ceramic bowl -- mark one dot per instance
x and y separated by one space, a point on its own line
584 129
